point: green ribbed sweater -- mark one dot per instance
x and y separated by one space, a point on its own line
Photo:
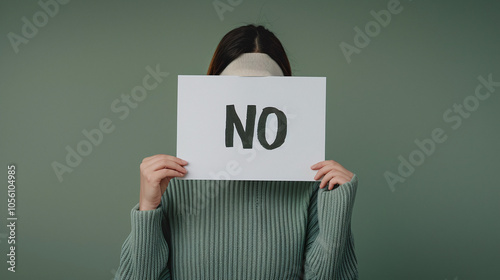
206 229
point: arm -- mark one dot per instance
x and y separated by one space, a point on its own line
144 253
329 252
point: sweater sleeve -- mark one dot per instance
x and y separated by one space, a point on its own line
144 254
329 252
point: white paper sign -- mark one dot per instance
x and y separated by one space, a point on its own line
216 114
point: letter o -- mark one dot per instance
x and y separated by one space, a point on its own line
413 160
143 93
43 15
375 25
282 128
479 95
81 151
467 104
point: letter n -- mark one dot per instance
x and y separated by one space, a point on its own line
232 121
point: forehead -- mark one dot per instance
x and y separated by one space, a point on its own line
253 64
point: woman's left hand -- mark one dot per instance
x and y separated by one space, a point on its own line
331 171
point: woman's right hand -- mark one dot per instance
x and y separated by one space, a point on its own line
156 173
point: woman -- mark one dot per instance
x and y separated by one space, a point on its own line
203 229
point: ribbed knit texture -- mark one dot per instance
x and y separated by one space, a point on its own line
243 230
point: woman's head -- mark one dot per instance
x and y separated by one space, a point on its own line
248 39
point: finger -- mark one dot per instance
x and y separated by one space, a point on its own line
325 180
323 163
337 177
146 160
169 173
172 158
171 165
161 174
168 157
146 164
338 172
339 167
340 180
334 162
325 169
166 164
319 165
162 158
176 159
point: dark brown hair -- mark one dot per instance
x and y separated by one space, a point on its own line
248 39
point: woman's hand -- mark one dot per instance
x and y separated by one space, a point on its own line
331 171
156 173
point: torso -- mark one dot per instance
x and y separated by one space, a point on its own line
236 229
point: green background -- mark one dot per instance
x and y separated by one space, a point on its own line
440 223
